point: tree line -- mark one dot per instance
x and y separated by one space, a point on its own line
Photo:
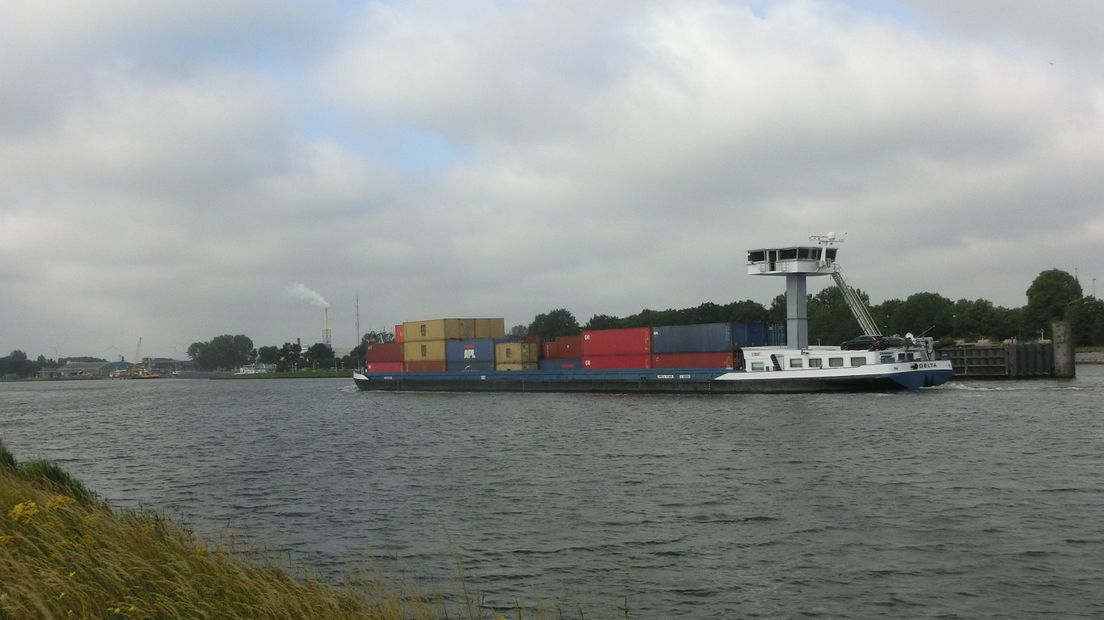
228 352
1053 295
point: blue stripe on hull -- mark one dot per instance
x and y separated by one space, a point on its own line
695 380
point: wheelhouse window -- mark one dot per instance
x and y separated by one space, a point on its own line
756 256
796 362
835 362
757 366
858 361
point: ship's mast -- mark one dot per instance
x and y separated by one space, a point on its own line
796 263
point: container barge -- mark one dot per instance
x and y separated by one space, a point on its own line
472 355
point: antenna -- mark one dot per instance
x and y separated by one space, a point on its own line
359 336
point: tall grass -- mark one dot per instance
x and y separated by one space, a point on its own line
65 554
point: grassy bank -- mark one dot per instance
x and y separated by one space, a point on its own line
65 554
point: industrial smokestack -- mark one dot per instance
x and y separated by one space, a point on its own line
326 326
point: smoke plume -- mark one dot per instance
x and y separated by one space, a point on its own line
301 292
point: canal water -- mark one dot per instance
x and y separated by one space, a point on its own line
970 500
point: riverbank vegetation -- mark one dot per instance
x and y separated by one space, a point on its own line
66 554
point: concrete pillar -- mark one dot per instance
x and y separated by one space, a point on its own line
1064 350
797 312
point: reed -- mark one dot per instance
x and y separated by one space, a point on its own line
66 554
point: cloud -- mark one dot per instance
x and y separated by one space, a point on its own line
186 163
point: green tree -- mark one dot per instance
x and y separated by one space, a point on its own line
14 364
290 352
554 323
930 314
320 355
603 321
268 355
1087 321
1048 297
224 352
830 319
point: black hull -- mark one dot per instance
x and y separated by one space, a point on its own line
849 384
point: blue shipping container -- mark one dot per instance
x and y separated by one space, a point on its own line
701 338
741 336
472 350
758 335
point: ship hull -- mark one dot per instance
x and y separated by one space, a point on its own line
669 381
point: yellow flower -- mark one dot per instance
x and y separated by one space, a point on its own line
58 501
24 512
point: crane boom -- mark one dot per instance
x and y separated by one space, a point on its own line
855 303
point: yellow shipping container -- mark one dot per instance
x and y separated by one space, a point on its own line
453 329
516 352
508 366
424 351
438 329
490 328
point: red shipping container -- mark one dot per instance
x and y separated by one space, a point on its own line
384 352
400 334
533 340
692 360
550 350
569 347
628 341
598 362
384 367
426 366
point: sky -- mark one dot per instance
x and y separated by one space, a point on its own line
177 171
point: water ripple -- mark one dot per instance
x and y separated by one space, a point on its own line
966 501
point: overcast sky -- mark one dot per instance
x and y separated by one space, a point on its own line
176 171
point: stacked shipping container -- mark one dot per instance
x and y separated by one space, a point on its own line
384 357
563 353
479 345
428 346
516 356
470 355
708 345
630 347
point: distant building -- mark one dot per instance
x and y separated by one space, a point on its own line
90 370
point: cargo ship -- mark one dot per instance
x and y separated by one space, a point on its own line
474 355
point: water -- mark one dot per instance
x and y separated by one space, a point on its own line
970 500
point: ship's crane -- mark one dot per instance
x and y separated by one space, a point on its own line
854 302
